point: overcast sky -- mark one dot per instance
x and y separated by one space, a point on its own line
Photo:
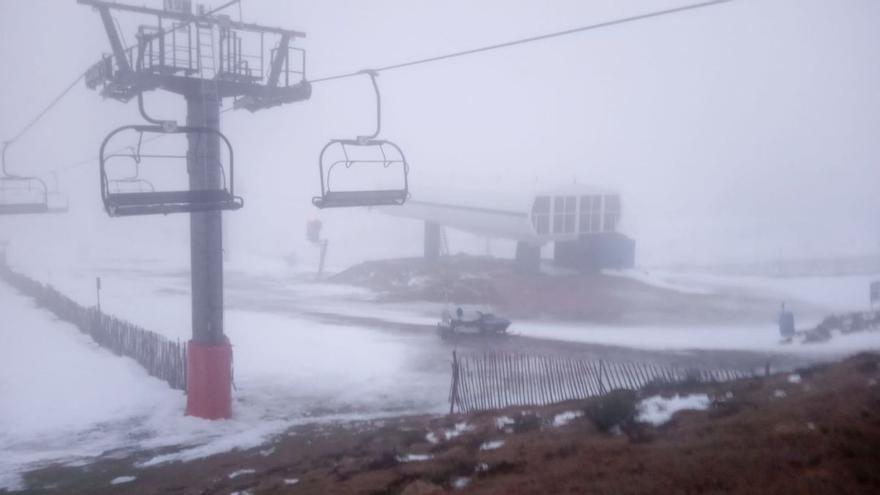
742 132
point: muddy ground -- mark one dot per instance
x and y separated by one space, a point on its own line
818 432
563 295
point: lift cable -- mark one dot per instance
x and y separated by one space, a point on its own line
82 75
497 46
532 39
46 110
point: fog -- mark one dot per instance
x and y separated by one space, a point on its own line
742 132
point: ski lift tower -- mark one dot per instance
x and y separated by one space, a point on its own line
204 56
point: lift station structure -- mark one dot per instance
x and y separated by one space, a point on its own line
581 221
204 56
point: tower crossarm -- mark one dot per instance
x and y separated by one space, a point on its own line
257 65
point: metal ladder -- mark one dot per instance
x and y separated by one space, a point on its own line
181 49
205 51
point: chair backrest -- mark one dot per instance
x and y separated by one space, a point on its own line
362 173
132 184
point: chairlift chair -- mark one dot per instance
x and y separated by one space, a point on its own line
143 199
133 182
23 195
340 155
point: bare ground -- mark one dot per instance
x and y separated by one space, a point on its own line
592 297
820 434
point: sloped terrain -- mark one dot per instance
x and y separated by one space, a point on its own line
561 294
815 431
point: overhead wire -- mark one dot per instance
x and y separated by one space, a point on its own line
46 110
82 75
523 41
472 51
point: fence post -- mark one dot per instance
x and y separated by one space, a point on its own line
98 292
602 390
120 337
454 393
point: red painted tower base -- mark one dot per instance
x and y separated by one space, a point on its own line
209 380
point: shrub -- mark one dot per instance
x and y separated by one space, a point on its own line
525 422
618 407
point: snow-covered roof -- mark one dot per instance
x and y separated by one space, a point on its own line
577 190
510 200
504 213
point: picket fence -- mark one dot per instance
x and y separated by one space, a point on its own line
161 357
496 381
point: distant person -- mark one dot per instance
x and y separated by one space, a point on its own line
786 322
459 312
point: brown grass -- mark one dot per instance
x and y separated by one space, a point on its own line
822 437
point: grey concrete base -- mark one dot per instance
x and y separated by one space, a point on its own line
528 257
596 252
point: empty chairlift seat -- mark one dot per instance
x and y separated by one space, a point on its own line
365 171
131 183
362 173
166 186
23 195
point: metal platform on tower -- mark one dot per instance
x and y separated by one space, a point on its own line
184 48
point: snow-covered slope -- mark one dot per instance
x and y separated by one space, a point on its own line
64 399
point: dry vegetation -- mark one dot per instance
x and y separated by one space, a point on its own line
817 433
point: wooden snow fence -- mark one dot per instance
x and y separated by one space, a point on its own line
162 358
496 381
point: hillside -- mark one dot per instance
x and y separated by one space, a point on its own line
813 431
552 293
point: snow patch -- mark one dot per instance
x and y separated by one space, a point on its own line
492 445
448 434
503 422
779 394
565 418
241 472
122 479
461 483
291 481
457 430
414 457
794 378
657 410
